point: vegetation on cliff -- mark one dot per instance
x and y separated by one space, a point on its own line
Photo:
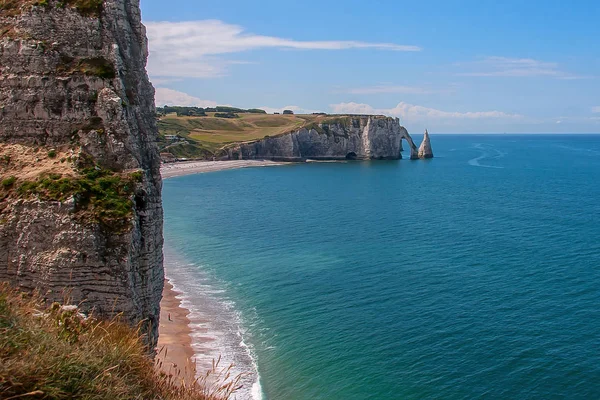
57 353
98 66
191 132
89 8
99 194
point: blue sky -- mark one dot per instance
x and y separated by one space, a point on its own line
452 67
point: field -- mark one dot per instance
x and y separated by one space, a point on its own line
208 134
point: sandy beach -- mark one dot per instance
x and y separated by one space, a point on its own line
174 341
196 167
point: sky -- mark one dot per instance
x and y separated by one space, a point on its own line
483 66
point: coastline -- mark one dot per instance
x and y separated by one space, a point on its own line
190 340
171 170
175 353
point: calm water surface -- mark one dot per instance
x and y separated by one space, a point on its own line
472 275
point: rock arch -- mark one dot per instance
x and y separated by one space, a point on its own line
414 152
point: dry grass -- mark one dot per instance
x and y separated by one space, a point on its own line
27 162
53 353
11 8
213 133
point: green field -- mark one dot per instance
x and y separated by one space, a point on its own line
208 134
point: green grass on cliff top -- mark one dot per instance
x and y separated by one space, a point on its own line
212 133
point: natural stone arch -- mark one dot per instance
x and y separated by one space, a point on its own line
351 156
414 152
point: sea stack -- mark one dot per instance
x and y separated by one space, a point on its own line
425 148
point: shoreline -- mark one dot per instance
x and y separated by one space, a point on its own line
212 330
171 170
175 353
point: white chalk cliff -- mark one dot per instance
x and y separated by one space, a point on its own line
337 138
78 117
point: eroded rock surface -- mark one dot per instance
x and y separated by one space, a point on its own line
346 137
425 150
75 99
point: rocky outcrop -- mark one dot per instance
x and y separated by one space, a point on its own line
332 138
425 148
81 194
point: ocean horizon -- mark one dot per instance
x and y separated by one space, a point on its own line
474 274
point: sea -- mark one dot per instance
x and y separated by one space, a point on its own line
473 275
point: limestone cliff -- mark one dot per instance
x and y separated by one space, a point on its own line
425 150
81 187
341 137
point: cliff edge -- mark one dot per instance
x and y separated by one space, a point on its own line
81 188
354 137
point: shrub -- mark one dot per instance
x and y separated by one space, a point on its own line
226 115
52 153
8 182
137 176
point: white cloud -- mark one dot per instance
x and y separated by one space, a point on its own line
193 48
295 109
163 81
515 67
413 113
172 97
390 89
596 109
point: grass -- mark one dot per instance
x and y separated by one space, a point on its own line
56 353
8 182
103 195
208 134
11 8
212 133
89 8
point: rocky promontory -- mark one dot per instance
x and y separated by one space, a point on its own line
81 188
354 137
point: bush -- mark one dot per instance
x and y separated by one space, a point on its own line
8 182
181 111
226 115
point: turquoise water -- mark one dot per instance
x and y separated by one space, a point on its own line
472 275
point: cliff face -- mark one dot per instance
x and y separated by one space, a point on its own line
81 187
349 137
